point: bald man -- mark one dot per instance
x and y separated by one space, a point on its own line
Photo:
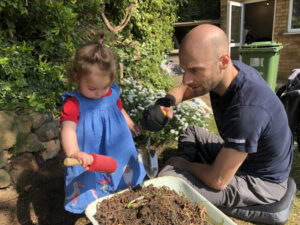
249 163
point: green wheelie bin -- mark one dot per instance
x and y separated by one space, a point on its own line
264 57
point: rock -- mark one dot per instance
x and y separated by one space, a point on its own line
52 149
24 166
3 158
8 131
23 124
32 144
7 195
4 179
38 120
48 131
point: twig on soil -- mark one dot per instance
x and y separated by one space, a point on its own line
130 204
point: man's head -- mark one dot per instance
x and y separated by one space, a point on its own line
203 56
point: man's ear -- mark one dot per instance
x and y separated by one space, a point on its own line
224 61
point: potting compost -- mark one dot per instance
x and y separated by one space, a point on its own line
150 205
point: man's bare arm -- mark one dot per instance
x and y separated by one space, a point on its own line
220 173
181 93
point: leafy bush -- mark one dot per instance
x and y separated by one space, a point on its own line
47 25
23 85
147 39
38 40
137 97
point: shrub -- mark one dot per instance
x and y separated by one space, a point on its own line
38 40
26 83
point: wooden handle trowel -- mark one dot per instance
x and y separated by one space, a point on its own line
101 163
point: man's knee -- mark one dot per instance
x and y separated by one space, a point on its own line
190 133
169 170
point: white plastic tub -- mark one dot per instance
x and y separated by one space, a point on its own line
215 216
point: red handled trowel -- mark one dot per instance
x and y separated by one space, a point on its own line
154 119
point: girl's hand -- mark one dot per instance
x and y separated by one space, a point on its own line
136 130
86 159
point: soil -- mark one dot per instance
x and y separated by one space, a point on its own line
151 206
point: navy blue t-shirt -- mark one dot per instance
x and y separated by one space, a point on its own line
251 118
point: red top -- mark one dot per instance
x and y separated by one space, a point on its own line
70 111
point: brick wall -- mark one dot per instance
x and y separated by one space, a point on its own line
223 14
290 54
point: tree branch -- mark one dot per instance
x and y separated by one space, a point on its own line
124 22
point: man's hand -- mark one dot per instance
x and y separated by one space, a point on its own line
154 118
166 101
167 111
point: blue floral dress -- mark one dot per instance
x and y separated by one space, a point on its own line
101 129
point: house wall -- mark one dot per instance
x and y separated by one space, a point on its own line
290 54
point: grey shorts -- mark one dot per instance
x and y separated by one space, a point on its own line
199 145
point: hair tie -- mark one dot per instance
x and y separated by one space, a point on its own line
100 41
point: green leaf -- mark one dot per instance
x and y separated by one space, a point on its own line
21 82
3 60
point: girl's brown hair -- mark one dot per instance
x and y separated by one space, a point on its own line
95 54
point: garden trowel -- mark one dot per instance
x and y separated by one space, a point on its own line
154 119
101 163
150 160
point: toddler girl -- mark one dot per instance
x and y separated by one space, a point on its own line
94 121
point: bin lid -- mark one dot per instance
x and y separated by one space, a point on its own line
263 44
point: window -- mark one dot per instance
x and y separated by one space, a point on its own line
294 16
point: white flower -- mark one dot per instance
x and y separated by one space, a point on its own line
184 126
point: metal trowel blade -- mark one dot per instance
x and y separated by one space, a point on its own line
150 160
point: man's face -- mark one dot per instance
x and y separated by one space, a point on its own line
201 71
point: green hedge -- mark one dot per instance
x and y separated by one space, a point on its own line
38 40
